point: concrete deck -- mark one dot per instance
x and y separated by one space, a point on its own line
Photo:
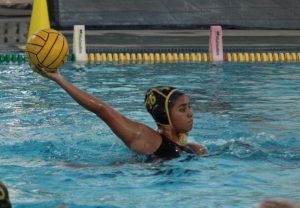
171 39
243 39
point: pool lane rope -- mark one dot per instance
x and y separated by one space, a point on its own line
193 57
245 57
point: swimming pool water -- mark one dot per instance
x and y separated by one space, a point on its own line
247 115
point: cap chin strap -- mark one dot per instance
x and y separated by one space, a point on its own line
183 139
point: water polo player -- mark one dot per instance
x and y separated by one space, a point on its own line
169 107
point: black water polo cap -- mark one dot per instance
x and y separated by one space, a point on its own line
158 100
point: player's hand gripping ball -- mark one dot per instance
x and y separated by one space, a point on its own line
47 49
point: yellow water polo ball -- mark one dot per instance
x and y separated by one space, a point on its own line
47 49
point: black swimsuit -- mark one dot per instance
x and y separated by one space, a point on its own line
169 150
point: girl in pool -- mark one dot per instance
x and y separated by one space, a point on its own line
169 107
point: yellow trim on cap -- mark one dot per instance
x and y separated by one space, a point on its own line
159 92
167 106
2 194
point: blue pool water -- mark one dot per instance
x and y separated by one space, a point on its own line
248 116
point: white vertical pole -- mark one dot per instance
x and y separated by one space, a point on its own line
79 47
216 44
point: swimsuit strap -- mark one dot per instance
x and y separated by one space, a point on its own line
170 150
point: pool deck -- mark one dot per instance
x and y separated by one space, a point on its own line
232 39
137 39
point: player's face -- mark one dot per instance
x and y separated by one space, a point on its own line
181 114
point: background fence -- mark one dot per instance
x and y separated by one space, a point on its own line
97 14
